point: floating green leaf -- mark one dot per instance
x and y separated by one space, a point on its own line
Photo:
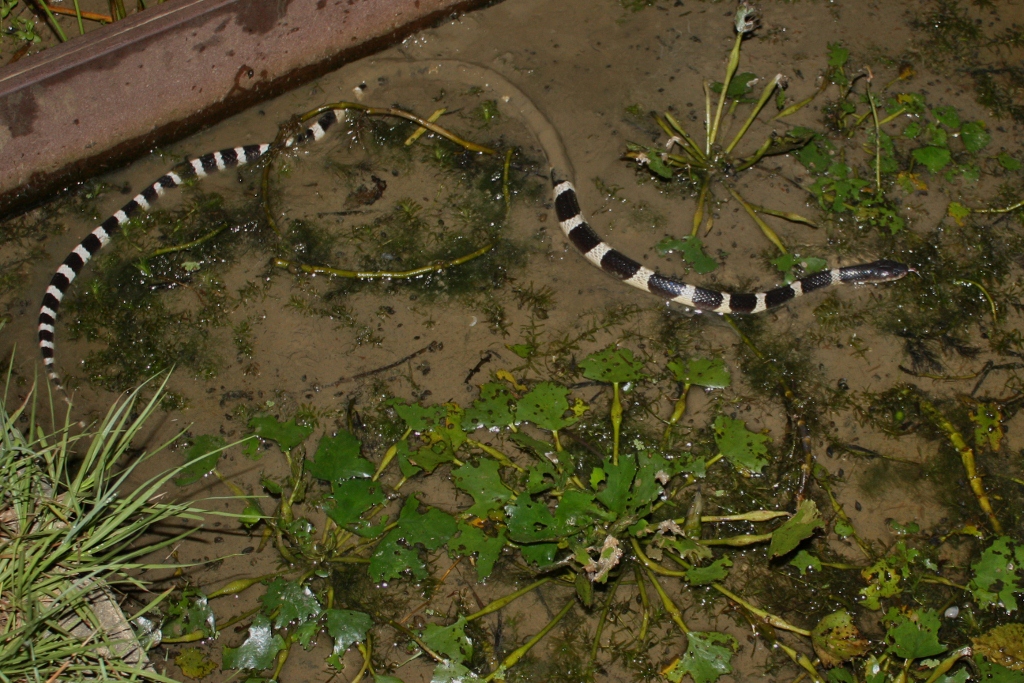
259 649
449 640
337 459
191 613
933 158
347 627
716 571
691 249
997 575
395 553
975 137
794 266
530 521
294 602
796 529
991 672
417 418
473 540
200 458
612 365
743 448
452 672
493 408
701 372
1003 645
1008 162
545 406
483 482
350 499
540 554
948 117
287 435
958 212
805 562
738 86
913 637
705 659
836 639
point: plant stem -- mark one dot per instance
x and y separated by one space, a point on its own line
521 651
878 143
800 660
765 228
670 607
383 274
616 414
53 21
644 603
768 618
698 214
601 621
501 602
677 414
730 71
389 456
650 564
765 94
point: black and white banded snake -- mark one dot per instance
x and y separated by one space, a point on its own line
567 209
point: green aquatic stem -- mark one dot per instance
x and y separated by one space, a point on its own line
800 660
765 228
682 134
645 604
521 651
239 585
1008 209
761 151
766 617
601 622
947 663
730 71
753 516
52 20
786 215
382 274
677 414
674 612
765 94
389 456
508 599
416 639
188 245
616 415
650 564
698 214
366 650
494 453
988 297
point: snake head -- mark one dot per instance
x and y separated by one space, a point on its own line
885 270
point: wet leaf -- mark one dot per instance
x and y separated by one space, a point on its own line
701 372
541 554
1003 645
380 678
541 449
259 649
347 627
991 672
396 553
392 556
795 267
948 117
350 499
958 212
836 639
1008 162
612 365
691 249
837 55
975 137
493 408
305 634
797 528
191 613
805 562
452 672
337 459
716 571
933 158
195 663
705 659
252 514
914 636
200 458
416 417
743 448
997 574
545 406
988 430
619 480
473 540
738 86
294 602
287 435
483 482
449 640
530 521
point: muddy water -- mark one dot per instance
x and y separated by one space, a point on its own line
568 83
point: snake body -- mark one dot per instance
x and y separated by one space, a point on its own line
567 208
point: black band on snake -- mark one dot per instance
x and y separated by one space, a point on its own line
593 248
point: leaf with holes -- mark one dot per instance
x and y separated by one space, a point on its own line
483 482
494 408
716 571
997 576
701 372
347 627
473 540
797 528
350 499
545 406
287 435
259 649
619 480
200 459
189 614
706 660
195 663
913 636
743 448
416 417
449 640
337 459
294 602
612 365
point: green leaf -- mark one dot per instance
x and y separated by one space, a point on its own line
287 435
1008 162
975 137
1003 646
305 634
716 571
473 540
701 372
350 499
449 640
416 417
191 613
452 672
259 649
948 117
294 602
997 574
620 479
195 663
933 158
910 639
795 267
493 408
738 86
836 639
743 448
805 562
796 529
656 164
912 130
991 672
337 459
404 454
484 484
692 251
541 449
200 458
433 454
380 678
395 554
837 55
530 521
347 627
545 406
705 659
392 556
252 514
541 554
612 365
958 212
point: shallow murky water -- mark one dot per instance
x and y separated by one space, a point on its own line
872 371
